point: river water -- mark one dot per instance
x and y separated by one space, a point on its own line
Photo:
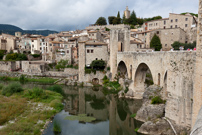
112 114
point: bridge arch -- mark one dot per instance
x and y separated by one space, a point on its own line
122 70
143 77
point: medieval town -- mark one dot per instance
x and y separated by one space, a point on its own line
132 76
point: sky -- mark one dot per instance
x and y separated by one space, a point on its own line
64 15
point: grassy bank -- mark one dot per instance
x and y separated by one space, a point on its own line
26 111
44 80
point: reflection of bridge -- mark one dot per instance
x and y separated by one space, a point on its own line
171 70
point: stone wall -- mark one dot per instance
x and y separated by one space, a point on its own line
197 98
89 77
7 66
35 68
119 26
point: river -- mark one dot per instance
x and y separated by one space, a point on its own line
113 115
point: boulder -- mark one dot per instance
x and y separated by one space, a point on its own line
151 91
162 127
150 112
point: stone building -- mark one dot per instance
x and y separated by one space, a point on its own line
89 51
127 13
167 37
10 42
185 22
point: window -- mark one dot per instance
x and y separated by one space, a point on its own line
165 45
67 51
175 26
164 22
171 26
92 34
91 51
50 44
32 40
186 25
164 27
32 45
171 21
156 24
186 19
88 51
157 32
40 48
176 20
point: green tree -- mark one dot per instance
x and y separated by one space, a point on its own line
124 18
133 18
176 45
110 19
156 43
117 20
118 15
101 21
61 64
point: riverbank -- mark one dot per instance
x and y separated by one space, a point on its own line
26 111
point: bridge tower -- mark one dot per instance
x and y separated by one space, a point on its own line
197 97
119 42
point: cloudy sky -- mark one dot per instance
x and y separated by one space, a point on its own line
64 15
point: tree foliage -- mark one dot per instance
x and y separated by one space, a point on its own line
193 14
176 45
101 21
16 56
2 52
156 43
61 64
98 64
110 19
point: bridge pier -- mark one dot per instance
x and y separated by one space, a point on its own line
197 98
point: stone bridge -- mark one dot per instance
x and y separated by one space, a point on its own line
173 71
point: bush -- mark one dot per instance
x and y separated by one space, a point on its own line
61 64
23 79
16 56
56 127
12 88
157 100
133 115
5 78
98 64
56 88
57 105
1 86
36 55
36 93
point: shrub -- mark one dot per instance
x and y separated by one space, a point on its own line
5 78
133 115
61 64
36 55
36 93
1 86
98 64
56 127
108 68
157 100
23 79
56 104
56 88
12 88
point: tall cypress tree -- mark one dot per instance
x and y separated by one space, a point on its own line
124 18
156 43
133 18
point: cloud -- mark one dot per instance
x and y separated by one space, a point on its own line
77 14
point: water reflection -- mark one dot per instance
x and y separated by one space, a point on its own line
112 114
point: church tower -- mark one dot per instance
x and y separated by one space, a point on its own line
127 13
